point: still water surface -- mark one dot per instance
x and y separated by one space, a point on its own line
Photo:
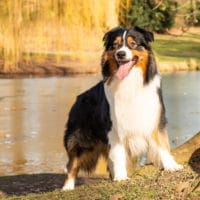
33 113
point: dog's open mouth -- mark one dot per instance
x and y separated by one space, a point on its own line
125 67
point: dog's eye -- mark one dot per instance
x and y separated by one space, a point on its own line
116 45
132 45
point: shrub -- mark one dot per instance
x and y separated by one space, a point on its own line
150 14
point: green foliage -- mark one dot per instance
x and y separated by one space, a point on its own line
198 12
150 14
192 13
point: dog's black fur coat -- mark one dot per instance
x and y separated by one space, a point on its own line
89 121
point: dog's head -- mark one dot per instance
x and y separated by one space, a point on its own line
125 49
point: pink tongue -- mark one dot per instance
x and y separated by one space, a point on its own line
124 70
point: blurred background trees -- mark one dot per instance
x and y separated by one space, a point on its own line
153 15
159 15
35 29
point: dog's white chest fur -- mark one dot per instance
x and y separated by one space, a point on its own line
134 109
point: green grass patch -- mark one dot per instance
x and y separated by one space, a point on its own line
178 50
146 183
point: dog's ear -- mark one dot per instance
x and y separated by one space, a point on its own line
149 37
107 37
152 69
109 33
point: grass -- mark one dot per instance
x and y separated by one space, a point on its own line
146 183
178 52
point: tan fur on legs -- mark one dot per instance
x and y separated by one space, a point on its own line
159 151
73 168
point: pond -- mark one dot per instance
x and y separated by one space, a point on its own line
33 113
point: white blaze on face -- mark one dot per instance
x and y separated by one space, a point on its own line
126 63
125 49
124 38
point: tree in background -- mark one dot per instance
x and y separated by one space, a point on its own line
192 16
39 30
198 12
154 15
35 31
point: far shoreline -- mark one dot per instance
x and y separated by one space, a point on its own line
76 68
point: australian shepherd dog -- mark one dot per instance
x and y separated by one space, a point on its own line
123 115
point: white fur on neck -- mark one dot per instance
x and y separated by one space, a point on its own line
134 108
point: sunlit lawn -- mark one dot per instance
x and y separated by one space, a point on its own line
181 48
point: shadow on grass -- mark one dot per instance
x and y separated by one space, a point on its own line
30 183
37 183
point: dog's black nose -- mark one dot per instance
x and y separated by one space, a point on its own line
121 54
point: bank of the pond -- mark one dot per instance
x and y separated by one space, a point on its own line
173 53
49 67
77 68
148 182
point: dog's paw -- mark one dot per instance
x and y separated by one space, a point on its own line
120 178
173 166
168 162
69 185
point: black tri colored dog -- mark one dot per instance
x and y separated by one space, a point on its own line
123 115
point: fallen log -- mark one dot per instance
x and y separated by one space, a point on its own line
185 152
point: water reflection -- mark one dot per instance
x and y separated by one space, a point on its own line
182 100
33 113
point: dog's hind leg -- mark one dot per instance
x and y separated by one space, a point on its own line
159 151
72 169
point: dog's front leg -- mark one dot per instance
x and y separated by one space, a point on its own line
117 160
159 151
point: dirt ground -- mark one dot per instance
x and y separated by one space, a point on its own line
147 182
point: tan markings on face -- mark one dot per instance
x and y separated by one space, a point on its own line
131 42
117 42
143 58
